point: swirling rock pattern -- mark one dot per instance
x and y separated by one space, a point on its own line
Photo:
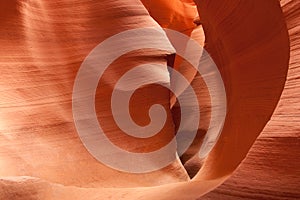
255 45
271 169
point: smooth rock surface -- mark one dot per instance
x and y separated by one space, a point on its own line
255 45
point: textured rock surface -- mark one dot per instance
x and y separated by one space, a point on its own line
271 169
43 44
252 53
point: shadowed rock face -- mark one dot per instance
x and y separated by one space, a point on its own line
255 46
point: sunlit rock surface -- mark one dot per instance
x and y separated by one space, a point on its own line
255 45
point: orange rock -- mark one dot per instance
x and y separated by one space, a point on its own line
43 44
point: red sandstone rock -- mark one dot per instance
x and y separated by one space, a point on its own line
43 45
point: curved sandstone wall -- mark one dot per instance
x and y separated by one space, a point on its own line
255 45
